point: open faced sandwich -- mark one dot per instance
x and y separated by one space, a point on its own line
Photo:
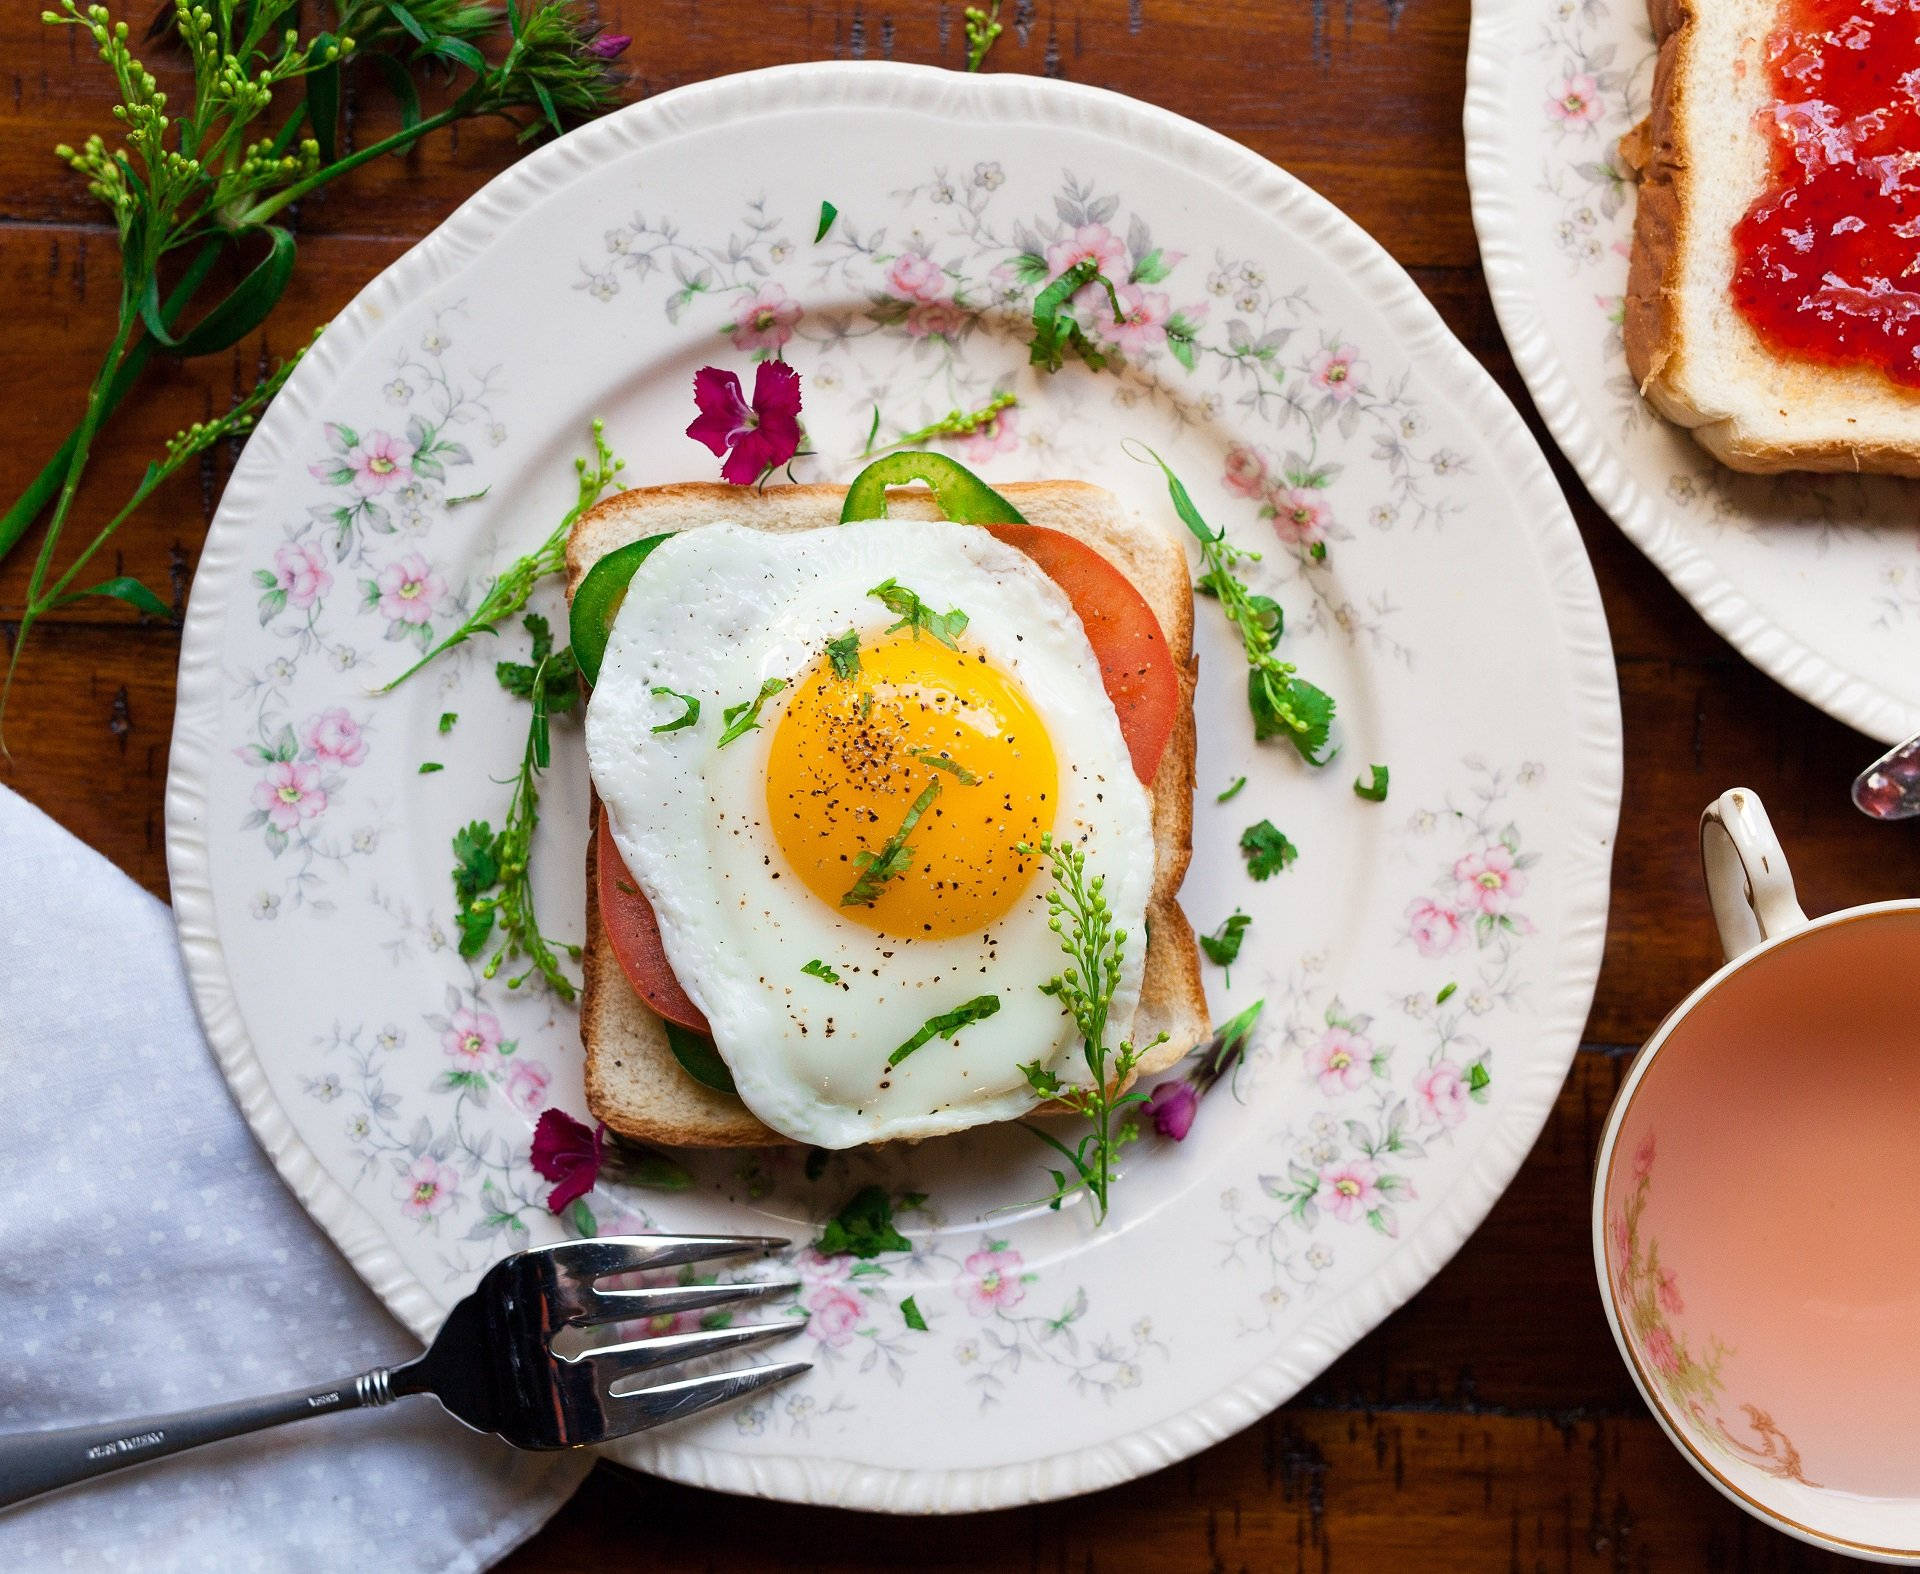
828 732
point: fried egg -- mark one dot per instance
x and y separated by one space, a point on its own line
842 849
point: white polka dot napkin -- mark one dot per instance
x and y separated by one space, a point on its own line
151 1260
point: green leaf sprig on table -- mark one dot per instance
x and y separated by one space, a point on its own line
1078 913
492 882
208 178
983 28
513 586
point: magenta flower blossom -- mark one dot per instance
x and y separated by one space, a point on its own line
1341 1061
832 1315
334 738
381 460
430 1188
1436 930
1441 1092
472 1038
609 46
1338 371
765 320
1173 1106
756 438
994 1282
1350 1190
527 1084
409 590
300 572
289 793
1246 471
1488 880
568 1153
1300 517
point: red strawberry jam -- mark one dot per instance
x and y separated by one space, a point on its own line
1827 260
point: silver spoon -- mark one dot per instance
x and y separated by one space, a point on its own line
1889 788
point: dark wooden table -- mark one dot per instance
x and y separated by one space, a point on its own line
1489 1424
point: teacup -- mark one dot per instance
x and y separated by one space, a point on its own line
1756 1213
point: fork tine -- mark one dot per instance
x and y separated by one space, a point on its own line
594 1259
613 1362
613 1306
647 1407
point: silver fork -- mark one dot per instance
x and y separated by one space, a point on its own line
492 1365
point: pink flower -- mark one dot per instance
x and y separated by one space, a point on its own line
1246 471
300 572
333 737
1300 517
609 46
937 319
1089 240
568 1153
472 1038
815 1266
765 321
1436 930
1338 371
1442 1093
430 1187
1575 100
289 793
1488 880
380 461
756 438
1001 435
1669 1292
832 1315
1342 1060
1173 1106
1662 1352
1141 323
915 276
1350 1190
1643 1159
409 590
527 1084
994 1282
1622 1241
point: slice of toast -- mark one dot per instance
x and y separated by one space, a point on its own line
634 1084
1702 157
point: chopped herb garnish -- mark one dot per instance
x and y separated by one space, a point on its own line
743 718
428 767
844 652
819 969
447 719
1478 1077
1376 792
1232 792
1283 703
468 497
1055 328
941 762
947 1024
1446 993
863 1228
686 718
828 213
1266 850
915 614
910 1315
895 856
1223 945
551 683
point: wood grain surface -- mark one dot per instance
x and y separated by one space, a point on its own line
1487 1425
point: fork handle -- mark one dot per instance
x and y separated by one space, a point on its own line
35 1462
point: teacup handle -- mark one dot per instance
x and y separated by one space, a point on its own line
1748 881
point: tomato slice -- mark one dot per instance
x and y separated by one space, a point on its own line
1135 668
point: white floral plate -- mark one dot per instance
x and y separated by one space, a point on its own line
1814 579
1427 962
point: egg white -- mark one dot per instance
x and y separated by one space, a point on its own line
713 613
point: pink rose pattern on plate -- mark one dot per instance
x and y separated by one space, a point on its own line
1689 1376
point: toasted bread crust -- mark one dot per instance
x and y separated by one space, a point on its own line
634 1085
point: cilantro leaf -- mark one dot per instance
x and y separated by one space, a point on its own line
910 1315
1223 945
828 213
915 614
686 718
1055 328
447 719
947 1024
894 858
819 969
1377 791
429 767
744 718
863 1228
1266 850
844 652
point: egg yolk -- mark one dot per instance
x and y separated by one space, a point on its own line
901 792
